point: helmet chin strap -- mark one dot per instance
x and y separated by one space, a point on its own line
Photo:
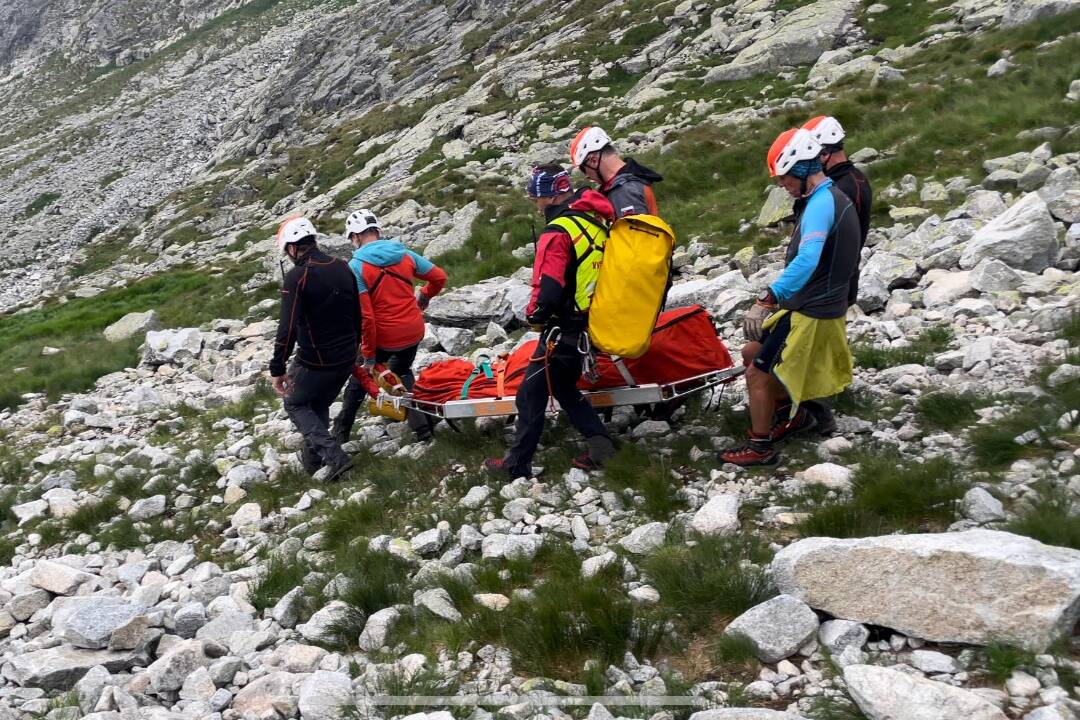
596 168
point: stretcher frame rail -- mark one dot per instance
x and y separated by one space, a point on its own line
642 394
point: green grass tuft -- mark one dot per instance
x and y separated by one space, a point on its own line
649 475
945 410
920 352
889 492
1050 518
1002 659
39 203
90 515
719 577
281 575
829 707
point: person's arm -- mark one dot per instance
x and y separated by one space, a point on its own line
814 227
367 314
433 275
287 321
553 256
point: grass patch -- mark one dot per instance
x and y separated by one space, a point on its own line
39 203
1002 659
919 352
832 707
642 34
649 475
122 535
1051 519
719 577
735 655
110 178
889 493
90 515
948 410
282 574
1071 331
181 298
1035 422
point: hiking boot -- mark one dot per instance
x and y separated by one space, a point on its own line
497 467
310 461
785 428
758 450
823 413
586 463
337 471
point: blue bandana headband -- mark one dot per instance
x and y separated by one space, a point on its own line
543 184
805 168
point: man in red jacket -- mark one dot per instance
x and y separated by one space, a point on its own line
393 320
568 256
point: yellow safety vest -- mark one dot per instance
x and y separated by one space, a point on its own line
588 238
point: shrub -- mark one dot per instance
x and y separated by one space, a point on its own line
642 34
89 516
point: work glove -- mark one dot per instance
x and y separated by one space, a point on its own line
755 318
422 301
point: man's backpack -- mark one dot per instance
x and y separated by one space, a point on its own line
632 284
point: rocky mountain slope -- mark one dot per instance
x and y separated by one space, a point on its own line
164 557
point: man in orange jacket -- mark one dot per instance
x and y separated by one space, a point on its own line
393 320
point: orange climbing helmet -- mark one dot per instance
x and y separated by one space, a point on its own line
789 148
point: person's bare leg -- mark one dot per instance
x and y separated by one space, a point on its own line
749 352
762 401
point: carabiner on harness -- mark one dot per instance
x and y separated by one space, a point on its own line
589 368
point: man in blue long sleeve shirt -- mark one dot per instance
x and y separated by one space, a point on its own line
821 261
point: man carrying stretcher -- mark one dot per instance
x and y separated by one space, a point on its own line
567 265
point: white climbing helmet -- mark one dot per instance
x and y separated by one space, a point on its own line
359 221
293 230
789 148
826 129
586 142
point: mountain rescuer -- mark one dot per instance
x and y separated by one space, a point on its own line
564 275
797 344
320 315
384 272
625 183
847 178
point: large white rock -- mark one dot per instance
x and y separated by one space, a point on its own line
323 694
972 587
57 578
457 234
719 515
645 538
1023 237
946 288
271 695
321 625
777 627
131 325
170 670
992 275
893 270
1020 12
172 346
798 39
886 694
377 628
474 306
1062 194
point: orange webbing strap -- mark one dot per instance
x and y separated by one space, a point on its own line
500 375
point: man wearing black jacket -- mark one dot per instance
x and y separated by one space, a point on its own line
320 317
847 178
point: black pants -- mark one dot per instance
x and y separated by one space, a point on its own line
308 405
564 369
400 363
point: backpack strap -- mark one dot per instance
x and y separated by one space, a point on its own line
483 367
383 272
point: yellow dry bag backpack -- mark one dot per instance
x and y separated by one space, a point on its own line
631 286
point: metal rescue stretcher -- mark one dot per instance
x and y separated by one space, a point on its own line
642 394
